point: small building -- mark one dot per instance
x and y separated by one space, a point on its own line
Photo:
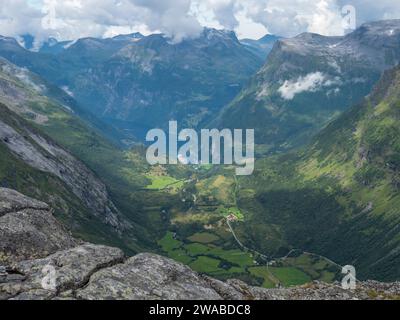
232 218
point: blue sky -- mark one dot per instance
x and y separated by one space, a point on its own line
72 19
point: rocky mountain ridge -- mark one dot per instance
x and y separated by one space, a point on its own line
64 269
263 46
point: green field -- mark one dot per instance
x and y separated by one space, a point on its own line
195 249
262 272
205 257
161 183
205 265
317 268
203 237
180 256
290 276
168 243
235 257
286 276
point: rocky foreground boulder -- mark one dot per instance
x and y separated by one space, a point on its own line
40 260
28 229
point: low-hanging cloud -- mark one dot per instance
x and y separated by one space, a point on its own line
312 82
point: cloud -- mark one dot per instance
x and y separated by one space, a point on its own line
97 17
222 13
312 82
72 19
16 18
171 17
291 17
370 10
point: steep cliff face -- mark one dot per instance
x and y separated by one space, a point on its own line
32 98
58 267
261 47
42 154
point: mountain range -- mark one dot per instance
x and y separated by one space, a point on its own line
263 46
309 80
137 83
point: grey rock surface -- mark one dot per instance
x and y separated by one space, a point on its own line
43 154
28 229
148 276
62 273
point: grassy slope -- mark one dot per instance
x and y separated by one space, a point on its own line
341 196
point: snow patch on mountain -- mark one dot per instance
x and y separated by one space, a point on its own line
68 91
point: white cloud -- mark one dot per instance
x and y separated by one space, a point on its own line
372 10
312 82
67 91
291 17
72 19
16 18
218 12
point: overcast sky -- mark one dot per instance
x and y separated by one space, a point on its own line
72 19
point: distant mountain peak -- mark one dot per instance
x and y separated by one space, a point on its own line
8 39
380 28
269 38
212 33
131 36
382 24
261 47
